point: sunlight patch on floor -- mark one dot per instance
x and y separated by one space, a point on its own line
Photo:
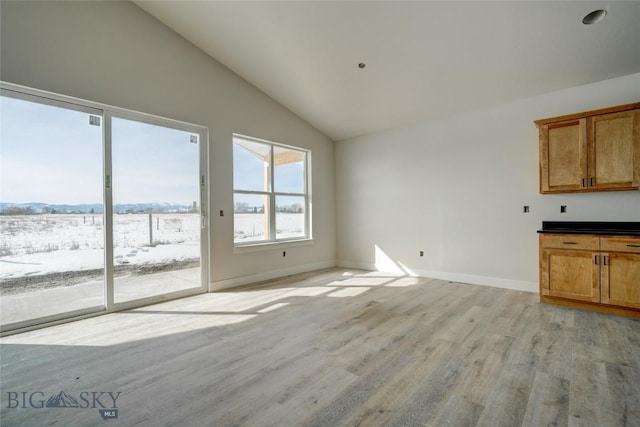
403 282
310 291
273 307
363 281
348 292
201 312
115 330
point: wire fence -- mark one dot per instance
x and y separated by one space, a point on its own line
28 234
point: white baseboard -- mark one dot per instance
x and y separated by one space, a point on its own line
496 282
268 275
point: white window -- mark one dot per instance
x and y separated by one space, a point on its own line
270 192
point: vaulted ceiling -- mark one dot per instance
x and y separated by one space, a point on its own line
423 60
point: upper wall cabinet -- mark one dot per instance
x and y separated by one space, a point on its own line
591 151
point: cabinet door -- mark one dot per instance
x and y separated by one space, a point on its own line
621 279
563 156
614 151
570 274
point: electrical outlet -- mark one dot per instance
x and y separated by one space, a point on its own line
563 209
525 209
421 253
221 213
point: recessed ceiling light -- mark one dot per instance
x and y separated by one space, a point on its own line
594 17
362 65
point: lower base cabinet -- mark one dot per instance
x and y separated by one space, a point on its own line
620 280
600 273
572 274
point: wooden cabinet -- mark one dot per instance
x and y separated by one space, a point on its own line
591 151
620 275
568 267
571 274
601 271
563 156
621 279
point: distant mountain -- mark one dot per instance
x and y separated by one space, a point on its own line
62 400
38 207
154 207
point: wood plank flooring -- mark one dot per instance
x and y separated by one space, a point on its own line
332 348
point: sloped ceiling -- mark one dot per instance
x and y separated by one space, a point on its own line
424 60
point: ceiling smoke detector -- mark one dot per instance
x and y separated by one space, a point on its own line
594 17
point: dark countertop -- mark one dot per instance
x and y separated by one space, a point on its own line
591 227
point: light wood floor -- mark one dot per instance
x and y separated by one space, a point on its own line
336 348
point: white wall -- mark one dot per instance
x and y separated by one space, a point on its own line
452 188
117 54
455 188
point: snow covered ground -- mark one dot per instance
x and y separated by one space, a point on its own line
251 227
42 244
35 245
12 267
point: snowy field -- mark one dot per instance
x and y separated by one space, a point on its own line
251 227
37 245
42 244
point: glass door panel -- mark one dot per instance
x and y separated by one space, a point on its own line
51 210
156 210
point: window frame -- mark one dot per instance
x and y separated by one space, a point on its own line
271 194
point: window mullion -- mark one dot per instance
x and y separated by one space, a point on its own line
108 211
280 193
307 213
272 198
259 193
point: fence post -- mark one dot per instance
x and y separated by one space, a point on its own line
150 230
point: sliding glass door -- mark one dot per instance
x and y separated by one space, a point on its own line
51 209
101 209
156 206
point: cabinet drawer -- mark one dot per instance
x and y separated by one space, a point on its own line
620 244
570 241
